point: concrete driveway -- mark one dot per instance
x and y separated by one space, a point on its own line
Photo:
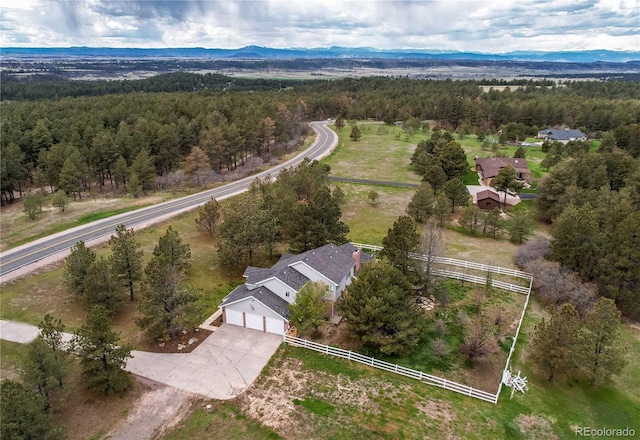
221 367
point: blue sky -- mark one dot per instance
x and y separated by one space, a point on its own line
491 26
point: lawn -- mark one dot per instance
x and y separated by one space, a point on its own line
384 157
368 223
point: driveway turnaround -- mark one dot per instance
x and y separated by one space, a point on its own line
224 365
221 367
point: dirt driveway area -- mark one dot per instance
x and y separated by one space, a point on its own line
221 367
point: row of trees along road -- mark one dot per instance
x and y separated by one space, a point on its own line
298 209
100 138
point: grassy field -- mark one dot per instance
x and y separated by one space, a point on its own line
383 157
16 229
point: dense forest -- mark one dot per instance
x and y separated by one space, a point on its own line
129 133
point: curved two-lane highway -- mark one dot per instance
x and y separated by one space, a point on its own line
28 257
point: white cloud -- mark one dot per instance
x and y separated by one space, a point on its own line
469 25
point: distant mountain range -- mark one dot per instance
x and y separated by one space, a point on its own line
257 52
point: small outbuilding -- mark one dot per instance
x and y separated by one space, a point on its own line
487 200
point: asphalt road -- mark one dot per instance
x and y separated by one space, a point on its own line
28 257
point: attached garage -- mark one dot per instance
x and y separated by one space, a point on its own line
252 313
234 317
254 321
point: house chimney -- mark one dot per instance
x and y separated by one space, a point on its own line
356 256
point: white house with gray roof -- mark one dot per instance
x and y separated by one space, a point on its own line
262 302
561 135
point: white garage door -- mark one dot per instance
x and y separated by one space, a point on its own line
275 325
234 317
254 321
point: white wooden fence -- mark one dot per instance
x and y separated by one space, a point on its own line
477 280
393 368
489 270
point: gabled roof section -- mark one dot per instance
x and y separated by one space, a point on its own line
262 294
488 194
333 262
492 165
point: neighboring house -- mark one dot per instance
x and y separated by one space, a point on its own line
561 135
262 302
487 200
491 166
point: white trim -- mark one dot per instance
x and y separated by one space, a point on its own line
256 299
260 283
330 282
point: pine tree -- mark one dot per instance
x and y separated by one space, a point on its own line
102 357
173 251
457 193
76 266
555 341
470 218
72 175
435 176
208 217
121 172
33 205
355 134
166 307
126 257
102 286
51 332
143 170
421 204
23 415
506 181
247 226
601 354
453 160
378 308
197 164
520 226
373 196
402 239
41 369
577 240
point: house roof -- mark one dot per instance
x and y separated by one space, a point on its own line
492 165
333 262
487 194
261 294
562 134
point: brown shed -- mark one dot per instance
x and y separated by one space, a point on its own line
488 200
